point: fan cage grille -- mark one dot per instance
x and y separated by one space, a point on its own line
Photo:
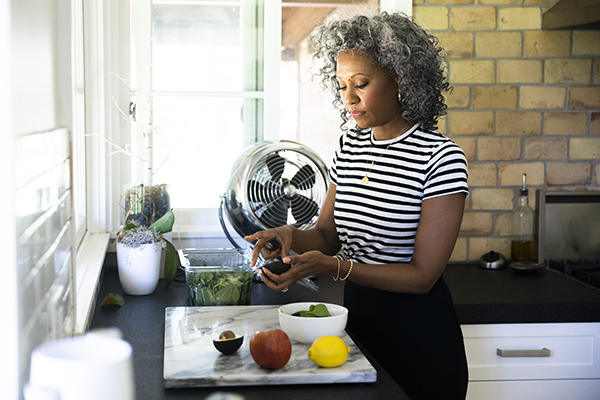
286 187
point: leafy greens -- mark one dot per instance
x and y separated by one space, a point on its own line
219 287
314 311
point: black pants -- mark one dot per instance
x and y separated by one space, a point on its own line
416 338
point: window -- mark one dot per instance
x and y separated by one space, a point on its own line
216 76
208 96
207 85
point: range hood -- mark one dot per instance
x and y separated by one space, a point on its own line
572 14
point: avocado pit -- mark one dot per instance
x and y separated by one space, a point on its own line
227 335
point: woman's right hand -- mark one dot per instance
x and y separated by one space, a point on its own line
279 238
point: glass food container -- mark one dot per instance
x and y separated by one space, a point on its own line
217 277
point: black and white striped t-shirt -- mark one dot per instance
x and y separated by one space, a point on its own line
377 222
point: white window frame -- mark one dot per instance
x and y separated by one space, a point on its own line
106 53
78 121
209 226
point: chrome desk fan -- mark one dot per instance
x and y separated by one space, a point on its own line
274 184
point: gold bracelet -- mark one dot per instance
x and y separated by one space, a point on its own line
349 271
338 274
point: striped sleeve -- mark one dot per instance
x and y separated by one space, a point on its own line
333 168
446 172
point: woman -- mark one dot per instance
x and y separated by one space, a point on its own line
395 204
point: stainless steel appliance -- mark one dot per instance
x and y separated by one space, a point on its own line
569 233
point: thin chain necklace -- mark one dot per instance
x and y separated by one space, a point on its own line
368 170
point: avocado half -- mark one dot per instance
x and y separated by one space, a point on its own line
277 267
228 343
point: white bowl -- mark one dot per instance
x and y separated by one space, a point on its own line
307 330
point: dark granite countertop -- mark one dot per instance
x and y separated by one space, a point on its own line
483 296
141 319
480 297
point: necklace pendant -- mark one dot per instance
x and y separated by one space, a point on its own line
365 180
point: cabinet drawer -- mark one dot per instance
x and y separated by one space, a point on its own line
581 389
533 351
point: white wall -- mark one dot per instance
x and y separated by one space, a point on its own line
9 387
37 195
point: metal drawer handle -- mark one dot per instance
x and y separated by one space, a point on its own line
524 353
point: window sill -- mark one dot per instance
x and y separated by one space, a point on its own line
92 253
90 259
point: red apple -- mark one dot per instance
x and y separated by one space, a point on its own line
271 349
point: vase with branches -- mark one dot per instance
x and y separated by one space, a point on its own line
146 202
148 216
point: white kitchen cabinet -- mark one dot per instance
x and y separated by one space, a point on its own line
533 361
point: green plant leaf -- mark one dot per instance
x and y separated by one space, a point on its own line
113 300
165 223
228 295
129 226
171 262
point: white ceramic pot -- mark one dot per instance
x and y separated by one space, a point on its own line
139 267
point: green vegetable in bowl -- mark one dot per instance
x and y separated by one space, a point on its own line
314 311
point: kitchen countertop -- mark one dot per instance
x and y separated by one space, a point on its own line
480 296
142 321
484 296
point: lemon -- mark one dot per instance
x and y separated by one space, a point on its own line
329 351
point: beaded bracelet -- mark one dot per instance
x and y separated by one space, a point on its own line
349 271
338 265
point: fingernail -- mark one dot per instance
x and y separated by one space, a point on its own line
286 260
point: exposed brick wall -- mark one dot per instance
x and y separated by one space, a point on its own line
524 101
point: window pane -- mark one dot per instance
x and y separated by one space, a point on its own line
200 138
204 46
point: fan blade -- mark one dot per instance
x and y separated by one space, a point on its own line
304 178
303 209
276 165
276 214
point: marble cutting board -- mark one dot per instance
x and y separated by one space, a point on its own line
191 360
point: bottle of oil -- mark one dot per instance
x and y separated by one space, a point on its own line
522 247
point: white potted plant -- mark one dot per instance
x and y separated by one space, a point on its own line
139 251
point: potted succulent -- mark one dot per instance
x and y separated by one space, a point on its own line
139 251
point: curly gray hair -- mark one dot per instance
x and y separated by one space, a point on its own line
395 43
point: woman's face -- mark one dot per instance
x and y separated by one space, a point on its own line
369 93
